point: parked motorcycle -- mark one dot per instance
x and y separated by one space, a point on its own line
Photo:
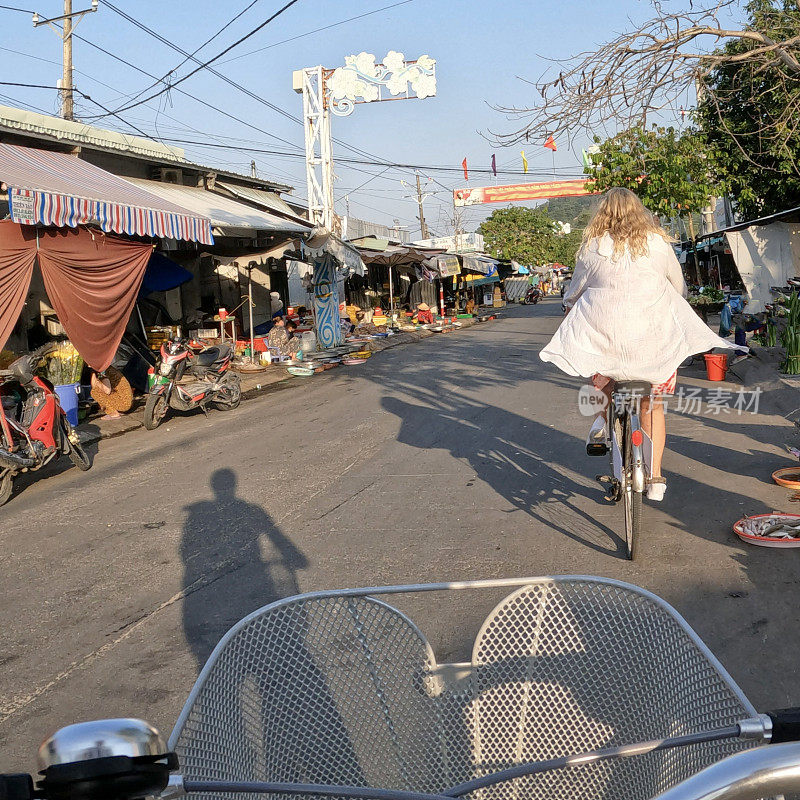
33 427
184 380
532 296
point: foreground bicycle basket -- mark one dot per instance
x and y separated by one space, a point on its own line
340 688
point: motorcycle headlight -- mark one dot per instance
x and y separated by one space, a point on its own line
165 368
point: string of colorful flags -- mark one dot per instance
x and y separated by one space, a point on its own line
550 144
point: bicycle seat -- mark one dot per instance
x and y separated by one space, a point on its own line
638 388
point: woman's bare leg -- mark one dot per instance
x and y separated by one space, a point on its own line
654 424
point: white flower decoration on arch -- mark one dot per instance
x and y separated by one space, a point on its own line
362 80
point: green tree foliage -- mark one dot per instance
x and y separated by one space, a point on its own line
667 169
529 236
750 117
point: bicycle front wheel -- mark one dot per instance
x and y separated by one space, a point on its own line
631 500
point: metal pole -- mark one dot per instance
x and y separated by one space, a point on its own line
441 297
391 295
250 304
67 99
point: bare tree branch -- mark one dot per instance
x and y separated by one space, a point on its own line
650 67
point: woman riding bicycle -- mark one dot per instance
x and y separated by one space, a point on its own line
627 318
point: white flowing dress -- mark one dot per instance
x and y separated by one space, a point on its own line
628 319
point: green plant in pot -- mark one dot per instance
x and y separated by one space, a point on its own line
63 365
790 338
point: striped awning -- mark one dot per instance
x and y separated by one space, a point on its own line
228 217
48 188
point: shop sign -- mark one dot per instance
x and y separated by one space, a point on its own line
448 266
22 208
482 265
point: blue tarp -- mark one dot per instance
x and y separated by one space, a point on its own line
163 274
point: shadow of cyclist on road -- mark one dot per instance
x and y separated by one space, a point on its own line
235 560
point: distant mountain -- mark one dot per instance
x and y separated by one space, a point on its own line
575 210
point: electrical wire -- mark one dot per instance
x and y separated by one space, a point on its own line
189 95
316 30
205 64
236 85
188 56
388 164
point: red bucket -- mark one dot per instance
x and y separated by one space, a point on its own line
716 366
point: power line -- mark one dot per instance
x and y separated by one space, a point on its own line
236 85
205 64
82 94
188 56
188 94
423 168
316 30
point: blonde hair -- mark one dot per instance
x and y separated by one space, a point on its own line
623 217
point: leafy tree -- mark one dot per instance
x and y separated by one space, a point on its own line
667 169
750 118
566 247
529 236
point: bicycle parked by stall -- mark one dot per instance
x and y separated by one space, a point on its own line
576 687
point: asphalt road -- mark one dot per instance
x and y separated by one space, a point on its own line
458 457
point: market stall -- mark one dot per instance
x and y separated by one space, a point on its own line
401 265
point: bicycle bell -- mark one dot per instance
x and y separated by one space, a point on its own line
109 759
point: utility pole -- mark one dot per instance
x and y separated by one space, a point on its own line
423 228
420 198
67 96
65 33
457 219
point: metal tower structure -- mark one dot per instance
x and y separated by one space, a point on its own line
338 91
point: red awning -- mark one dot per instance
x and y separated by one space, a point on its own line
92 281
62 190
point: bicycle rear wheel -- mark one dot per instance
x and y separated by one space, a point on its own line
631 500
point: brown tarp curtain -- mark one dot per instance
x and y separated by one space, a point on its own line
92 280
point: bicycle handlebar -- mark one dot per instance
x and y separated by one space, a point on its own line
749 775
785 725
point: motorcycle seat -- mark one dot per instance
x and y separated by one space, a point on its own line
207 357
211 355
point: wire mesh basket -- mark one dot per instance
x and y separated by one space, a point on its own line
341 688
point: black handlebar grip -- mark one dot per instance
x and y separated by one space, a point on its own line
785 725
17 786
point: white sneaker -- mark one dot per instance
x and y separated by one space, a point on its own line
657 490
596 444
597 433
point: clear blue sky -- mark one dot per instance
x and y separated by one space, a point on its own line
481 48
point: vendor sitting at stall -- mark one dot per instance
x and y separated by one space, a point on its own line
112 392
278 339
423 315
294 339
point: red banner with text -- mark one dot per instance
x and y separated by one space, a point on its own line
522 191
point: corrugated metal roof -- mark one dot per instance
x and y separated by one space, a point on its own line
48 128
261 197
226 215
33 122
60 189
